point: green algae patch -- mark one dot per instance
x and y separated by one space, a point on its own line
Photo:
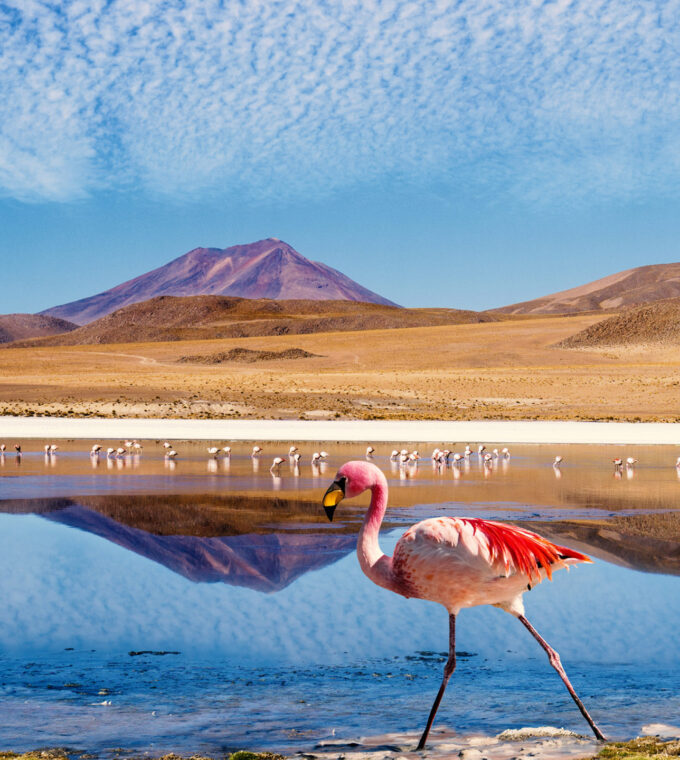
37 754
60 754
642 748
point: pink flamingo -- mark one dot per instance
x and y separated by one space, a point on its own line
456 561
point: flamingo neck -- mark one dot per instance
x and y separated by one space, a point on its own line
375 564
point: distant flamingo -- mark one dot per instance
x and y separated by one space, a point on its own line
276 464
618 463
458 562
257 450
369 451
558 461
227 451
213 451
630 461
292 450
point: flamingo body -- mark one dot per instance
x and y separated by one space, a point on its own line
465 562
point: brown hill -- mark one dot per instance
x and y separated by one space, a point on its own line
654 323
267 269
21 326
170 318
629 288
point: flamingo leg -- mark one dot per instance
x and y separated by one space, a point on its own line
448 670
555 661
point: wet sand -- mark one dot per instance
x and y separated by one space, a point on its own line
546 743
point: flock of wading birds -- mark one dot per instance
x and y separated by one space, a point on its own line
403 460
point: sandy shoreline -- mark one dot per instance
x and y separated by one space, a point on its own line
641 433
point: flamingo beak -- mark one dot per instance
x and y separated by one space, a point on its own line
333 496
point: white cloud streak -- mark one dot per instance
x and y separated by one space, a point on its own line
576 99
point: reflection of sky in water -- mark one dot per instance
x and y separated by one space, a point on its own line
255 666
65 587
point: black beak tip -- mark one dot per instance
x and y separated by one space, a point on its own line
329 513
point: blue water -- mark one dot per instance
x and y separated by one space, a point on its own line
330 654
111 637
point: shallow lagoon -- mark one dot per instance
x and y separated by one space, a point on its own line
272 636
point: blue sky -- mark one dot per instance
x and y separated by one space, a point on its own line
468 153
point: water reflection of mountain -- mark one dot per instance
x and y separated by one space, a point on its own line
261 561
265 542
649 542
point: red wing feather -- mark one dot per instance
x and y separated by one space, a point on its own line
527 552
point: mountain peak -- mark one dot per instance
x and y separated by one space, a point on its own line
268 268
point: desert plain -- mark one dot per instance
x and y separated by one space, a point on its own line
507 369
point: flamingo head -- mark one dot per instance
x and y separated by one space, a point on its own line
352 479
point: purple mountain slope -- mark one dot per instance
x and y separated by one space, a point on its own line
267 269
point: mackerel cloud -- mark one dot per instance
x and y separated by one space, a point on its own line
284 100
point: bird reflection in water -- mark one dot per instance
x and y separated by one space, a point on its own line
212 465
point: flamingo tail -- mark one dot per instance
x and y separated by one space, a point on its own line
522 549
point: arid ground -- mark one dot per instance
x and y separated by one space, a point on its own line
497 370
